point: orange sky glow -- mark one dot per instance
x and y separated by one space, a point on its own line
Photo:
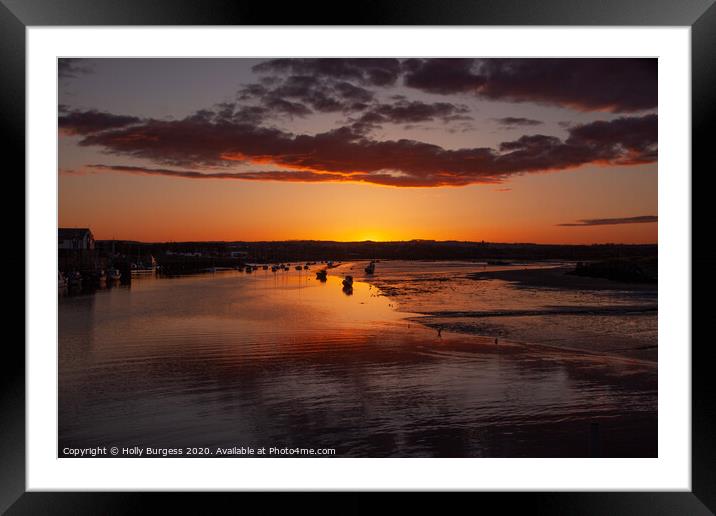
144 156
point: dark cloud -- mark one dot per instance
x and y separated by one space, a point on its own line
307 94
535 142
635 136
268 175
404 111
89 122
68 68
623 141
320 85
251 91
511 121
608 222
208 139
289 108
353 93
367 71
443 76
291 176
409 113
590 84
299 87
228 113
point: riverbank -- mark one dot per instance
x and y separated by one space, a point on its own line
537 304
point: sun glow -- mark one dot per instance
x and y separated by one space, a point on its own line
369 235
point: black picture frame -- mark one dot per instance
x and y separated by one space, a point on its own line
700 15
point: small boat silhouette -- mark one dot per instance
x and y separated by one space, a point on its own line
348 281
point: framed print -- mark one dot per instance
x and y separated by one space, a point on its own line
437 249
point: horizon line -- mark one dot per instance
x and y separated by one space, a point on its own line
424 240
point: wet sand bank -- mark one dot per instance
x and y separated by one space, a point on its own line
559 278
538 304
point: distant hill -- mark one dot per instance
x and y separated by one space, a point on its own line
294 250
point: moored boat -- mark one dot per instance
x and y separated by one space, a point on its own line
141 268
348 281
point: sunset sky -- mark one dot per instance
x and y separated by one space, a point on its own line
502 150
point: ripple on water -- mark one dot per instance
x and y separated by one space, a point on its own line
262 360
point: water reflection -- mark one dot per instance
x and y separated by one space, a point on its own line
284 359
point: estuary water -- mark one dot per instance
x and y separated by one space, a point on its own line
421 359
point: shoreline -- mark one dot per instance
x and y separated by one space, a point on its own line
559 278
568 327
